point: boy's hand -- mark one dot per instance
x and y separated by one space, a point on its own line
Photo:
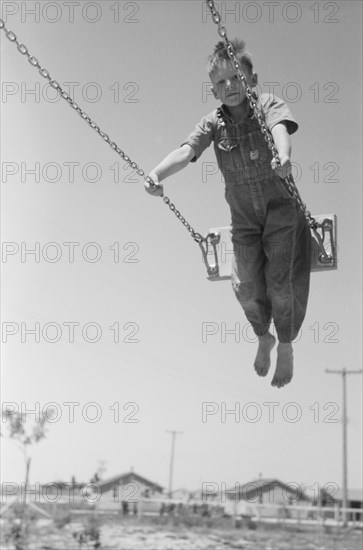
284 169
155 190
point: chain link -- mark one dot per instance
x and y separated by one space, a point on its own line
45 74
196 236
265 131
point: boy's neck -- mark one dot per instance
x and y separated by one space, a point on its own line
239 112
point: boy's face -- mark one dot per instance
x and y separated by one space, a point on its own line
227 87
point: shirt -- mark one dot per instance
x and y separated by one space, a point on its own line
242 153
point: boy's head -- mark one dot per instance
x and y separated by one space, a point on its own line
226 85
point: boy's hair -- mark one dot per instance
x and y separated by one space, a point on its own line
220 53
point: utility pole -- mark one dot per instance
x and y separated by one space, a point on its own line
173 435
343 372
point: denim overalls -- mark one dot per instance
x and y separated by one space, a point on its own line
270 235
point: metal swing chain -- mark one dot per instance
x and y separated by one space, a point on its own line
264 128
45 74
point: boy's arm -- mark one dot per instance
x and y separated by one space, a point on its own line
283 144
172 163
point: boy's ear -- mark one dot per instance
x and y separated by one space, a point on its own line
213 92
254 80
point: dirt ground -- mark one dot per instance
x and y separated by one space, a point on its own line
137 536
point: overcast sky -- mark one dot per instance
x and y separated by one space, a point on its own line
132 338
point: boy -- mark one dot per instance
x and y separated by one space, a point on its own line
270 235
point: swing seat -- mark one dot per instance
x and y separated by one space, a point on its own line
218 253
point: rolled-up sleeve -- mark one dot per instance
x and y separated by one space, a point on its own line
202 135
277 111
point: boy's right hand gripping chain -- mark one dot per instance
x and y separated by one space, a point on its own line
153 187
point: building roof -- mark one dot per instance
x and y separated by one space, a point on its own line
128 477
255 487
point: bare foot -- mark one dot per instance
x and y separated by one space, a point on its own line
263 361
284 366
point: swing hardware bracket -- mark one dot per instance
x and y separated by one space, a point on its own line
212 239
326 228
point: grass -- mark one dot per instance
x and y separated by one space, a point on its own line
182 533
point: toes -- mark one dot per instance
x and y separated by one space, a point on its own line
262 370
281 382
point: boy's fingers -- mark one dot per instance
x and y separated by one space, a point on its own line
156 190
284 169
274 164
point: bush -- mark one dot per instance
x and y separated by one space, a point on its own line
89 534
62 519
14 533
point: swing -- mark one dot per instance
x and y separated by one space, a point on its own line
217 249
323 228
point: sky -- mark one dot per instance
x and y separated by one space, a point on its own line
111 319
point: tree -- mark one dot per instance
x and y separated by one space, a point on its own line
25 435
18 432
